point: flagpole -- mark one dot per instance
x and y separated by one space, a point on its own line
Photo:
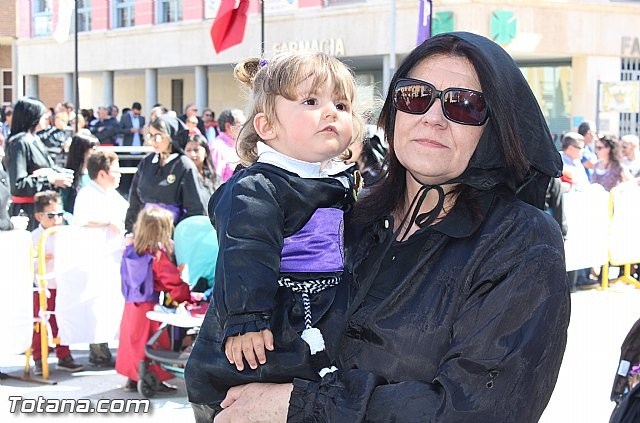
75 70
262 28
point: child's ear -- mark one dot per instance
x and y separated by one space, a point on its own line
263 128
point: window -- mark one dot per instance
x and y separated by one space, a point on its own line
84 16
42 17
168 11
123 13
7 86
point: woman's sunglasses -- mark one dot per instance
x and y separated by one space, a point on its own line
459 105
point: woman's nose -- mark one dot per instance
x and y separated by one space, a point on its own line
435 115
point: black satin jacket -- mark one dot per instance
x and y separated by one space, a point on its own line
474 332
253 212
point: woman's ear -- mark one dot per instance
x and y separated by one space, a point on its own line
263 128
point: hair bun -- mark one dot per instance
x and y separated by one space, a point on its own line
246 70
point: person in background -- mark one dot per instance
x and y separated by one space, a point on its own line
82 144
210 124
192 110
589 157
48 212
575 175
105 128
99 205
223 149
147 269
369 154
609 170
458 306
166 177
192 125
631 153
197 149
132 127
30 168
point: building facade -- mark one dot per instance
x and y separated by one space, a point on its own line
160 51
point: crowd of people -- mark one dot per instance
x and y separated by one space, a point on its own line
438 292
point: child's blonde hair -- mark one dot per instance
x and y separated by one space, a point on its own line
153 230
281 76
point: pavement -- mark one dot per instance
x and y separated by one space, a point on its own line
599 322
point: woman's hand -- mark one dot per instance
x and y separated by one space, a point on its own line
256 402
60 180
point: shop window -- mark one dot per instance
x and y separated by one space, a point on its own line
123 13
552 86
42 17
168 11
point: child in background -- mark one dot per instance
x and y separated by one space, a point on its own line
147 270
48 212
100 205
279 224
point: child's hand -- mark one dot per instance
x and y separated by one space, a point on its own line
196 297
250 345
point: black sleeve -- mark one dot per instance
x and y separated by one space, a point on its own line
504 356
22 183
250 225
135 203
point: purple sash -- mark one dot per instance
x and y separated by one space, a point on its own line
317 247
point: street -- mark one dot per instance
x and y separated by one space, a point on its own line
599 322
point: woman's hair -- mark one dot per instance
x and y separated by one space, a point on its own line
26 115
208 168
388 195
80 144
281 76
153 230
615 150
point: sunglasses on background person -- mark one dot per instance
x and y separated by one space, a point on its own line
459 105
52 215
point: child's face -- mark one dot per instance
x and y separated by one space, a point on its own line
51 216
315 127
114 174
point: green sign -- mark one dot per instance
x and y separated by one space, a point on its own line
503 26
442 22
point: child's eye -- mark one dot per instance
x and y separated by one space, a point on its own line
344 107
310 102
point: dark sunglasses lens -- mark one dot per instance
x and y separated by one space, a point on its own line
412 97
465 106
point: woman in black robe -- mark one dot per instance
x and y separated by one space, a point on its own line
458 305
167 177
30 167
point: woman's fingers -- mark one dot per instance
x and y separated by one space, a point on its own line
267 337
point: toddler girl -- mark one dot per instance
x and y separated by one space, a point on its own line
279 224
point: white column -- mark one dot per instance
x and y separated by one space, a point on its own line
386 73
16 80
107 88
201 87
31 88
151 89
68 88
